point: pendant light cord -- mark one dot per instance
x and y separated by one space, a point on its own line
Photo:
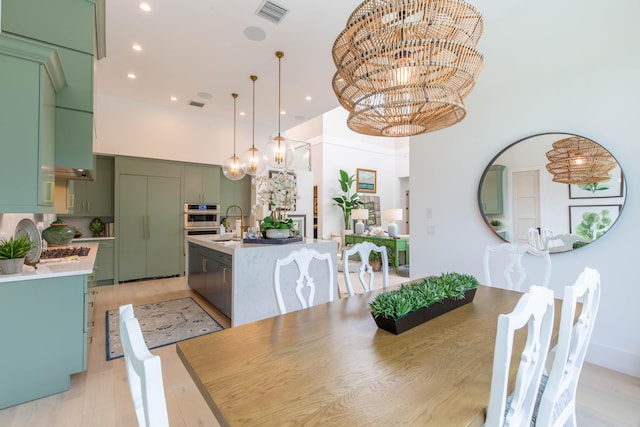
235 97
279 54
253 114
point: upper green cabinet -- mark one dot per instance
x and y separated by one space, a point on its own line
66 23
74 139
95 198
27 117
235 193
492 193
78 71
201 184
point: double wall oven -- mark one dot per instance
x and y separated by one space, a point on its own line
201 218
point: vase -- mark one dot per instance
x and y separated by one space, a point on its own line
58 233
278 233
11 266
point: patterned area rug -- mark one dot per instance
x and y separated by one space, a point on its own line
162 323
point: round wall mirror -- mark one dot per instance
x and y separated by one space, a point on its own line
520 201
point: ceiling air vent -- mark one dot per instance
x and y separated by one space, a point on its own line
196 104
271 11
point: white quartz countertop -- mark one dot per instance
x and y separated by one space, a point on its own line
83 265
212 241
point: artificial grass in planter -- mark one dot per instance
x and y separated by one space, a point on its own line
421 300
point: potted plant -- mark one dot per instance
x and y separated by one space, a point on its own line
421 300
274 228
375 259
495 223
347 201
13 252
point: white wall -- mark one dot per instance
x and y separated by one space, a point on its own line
131 128
550 66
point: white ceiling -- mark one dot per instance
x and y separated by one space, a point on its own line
198 46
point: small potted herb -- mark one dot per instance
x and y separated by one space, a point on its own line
421 300
13 252
496 223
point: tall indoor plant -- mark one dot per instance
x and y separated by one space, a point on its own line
347 201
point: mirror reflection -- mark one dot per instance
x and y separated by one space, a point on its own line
521 203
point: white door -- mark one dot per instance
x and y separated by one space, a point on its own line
526 204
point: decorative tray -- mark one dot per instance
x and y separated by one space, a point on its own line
274 241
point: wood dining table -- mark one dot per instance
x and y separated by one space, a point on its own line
330 365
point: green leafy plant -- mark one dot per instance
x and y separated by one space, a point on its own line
13 248
422 293
270 222
595 186
347 201
495 223
594 225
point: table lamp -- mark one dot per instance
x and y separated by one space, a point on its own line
360 214
392 215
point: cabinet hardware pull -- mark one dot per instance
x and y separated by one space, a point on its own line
144 227
91 324
148 227
224 275
204 265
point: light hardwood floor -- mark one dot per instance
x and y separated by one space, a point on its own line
100 396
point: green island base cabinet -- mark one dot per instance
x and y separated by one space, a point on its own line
45 324
395 246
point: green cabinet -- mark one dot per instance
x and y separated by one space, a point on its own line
45 328
210 274
201 183
27 120
491 195
67 23
149 227
94 198
104 263
73 139
395 246
235 193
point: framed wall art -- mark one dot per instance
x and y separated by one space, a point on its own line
365 181
300 222
613 187
592 221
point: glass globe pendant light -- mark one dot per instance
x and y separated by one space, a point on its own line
279 151
234 169
253 159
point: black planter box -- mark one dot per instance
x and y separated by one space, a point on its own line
415 318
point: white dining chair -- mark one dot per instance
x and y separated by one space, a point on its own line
365 272
305 288
144 372
557 406
507 259
535 311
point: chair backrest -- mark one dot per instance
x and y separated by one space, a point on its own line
535 239
302 258
557 404
365 272
534 310
512 269
144 372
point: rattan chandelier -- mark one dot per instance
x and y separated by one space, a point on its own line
405 66
578 160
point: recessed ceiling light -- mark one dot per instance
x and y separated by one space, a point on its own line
145 7
242 113
308 98
254 33
283 112
136 47
173 98
131 76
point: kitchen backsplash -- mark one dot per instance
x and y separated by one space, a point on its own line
9 221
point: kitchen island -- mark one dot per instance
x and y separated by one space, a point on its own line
238 278
44 324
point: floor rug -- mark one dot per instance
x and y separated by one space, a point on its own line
162 323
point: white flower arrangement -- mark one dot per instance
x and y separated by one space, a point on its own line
279 192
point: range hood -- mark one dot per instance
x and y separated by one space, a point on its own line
75 174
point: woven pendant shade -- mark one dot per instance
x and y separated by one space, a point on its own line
579 160
404 67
